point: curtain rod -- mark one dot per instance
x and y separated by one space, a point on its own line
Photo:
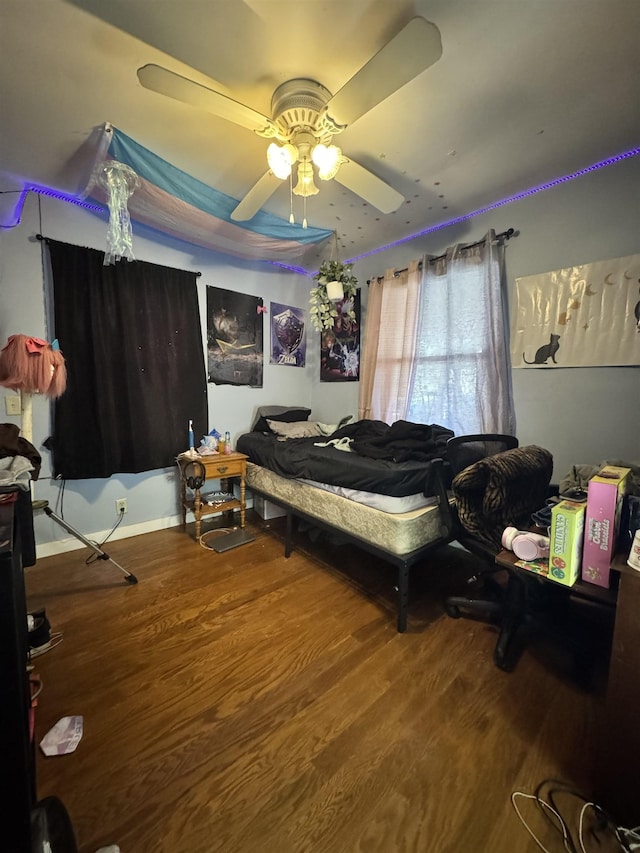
503 235
46 240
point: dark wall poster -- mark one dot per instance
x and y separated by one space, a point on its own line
234 338
340 345
288 335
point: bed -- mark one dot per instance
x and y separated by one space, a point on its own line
379 486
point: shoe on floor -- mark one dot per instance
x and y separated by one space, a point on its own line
39 630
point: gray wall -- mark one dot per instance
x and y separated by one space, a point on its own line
582 415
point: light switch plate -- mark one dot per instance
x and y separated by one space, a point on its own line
12 404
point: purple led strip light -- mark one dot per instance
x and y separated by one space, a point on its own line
32 188
432 229
63 197
517 197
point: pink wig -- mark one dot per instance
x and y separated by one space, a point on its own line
33 366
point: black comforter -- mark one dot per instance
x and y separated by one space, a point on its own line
390 460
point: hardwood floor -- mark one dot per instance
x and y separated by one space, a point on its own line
246 703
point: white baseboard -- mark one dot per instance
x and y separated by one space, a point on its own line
61 546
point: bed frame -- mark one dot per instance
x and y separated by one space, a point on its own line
402 539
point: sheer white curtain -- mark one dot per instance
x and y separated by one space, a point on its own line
461 371
389 345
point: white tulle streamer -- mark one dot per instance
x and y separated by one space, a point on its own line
120 182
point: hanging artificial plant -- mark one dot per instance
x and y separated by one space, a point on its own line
334 284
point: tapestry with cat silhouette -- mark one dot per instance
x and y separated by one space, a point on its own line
581 316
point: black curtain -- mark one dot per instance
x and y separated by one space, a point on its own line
132 341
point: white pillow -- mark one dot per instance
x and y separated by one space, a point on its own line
297 429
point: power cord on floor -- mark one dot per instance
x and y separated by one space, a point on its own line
214 534
93 557
545 798
545 805
629 838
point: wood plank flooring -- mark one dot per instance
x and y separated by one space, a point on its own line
247 703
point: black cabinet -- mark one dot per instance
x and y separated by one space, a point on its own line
17 776
26 825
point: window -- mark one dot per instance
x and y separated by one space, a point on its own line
459 370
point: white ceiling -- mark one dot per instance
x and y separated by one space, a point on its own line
525 91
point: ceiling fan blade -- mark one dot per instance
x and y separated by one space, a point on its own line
259 193
368 186
168 83
411 51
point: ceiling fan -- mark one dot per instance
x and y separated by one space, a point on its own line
306 117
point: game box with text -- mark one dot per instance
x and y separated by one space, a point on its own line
605 494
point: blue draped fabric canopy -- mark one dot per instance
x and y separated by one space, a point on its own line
175 203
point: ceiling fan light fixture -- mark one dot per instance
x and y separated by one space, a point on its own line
328 159
305 186
281 159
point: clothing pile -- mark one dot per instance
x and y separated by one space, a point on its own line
19 464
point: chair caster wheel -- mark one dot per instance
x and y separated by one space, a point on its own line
501 663
452 610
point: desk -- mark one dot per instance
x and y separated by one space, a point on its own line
218 466
523 588
581 589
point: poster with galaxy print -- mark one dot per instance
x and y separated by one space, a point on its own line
288 335
234 338
340 345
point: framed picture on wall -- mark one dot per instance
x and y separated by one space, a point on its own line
288 335
234 338
340 345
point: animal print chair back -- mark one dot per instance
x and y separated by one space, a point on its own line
502 491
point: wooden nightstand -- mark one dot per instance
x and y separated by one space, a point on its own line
218 466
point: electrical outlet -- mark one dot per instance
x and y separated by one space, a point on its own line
12 404
121 506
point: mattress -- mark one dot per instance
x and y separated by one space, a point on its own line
397 533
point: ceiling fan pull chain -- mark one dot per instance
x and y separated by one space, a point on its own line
304 217
291 217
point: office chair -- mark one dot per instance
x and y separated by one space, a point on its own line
496 484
